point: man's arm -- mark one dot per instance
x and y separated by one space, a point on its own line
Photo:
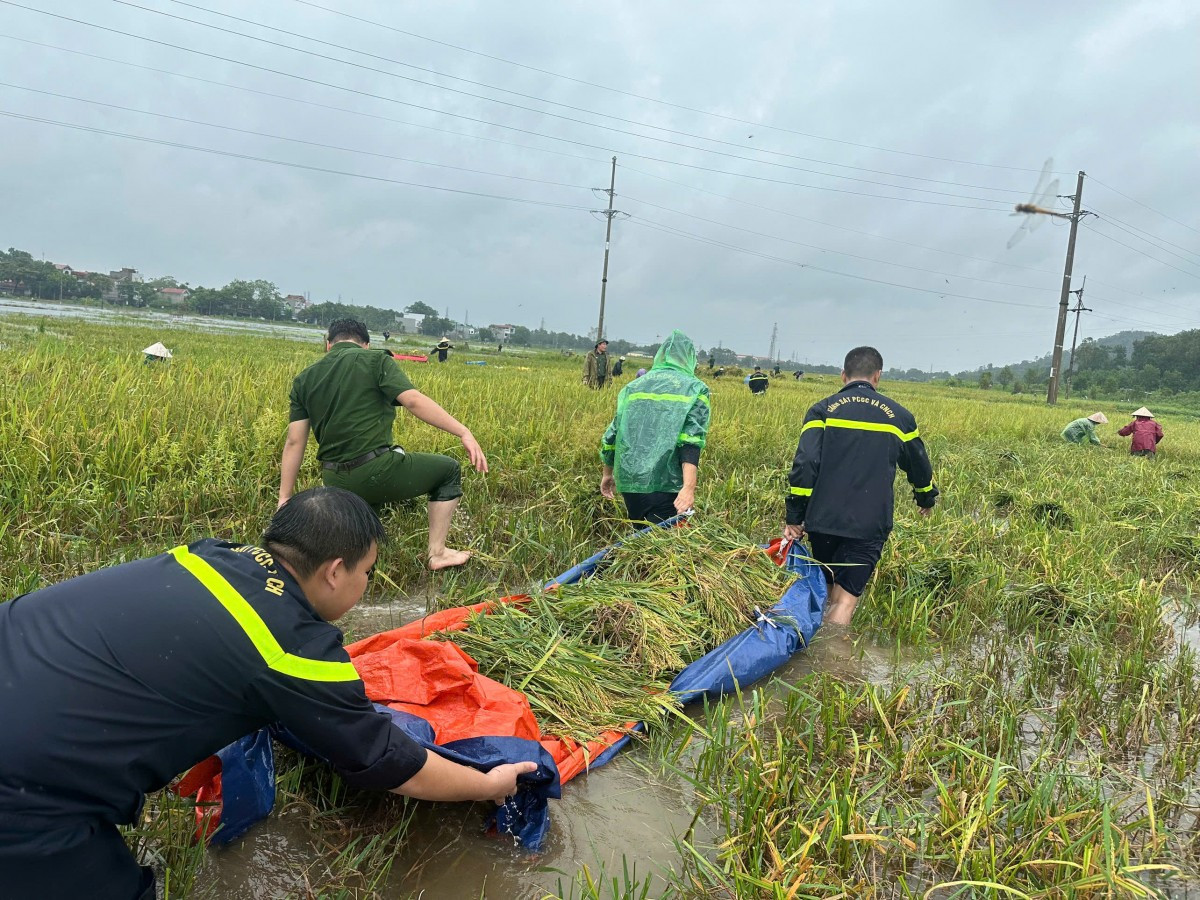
429 412
914 460
608 458
806 465
690 442
440 779
293 457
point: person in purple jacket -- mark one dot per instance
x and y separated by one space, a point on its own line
1146 433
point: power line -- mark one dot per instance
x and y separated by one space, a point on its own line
1107 237
507 103
301 101
293 165
506 127
885 262
581 109
1144 205
679 232
279 137
658 100
1146 236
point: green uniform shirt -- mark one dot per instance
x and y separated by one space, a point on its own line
349 398
1081 431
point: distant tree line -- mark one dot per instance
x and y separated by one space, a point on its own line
1160 363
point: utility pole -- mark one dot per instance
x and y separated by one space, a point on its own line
609 214
1079 308
774 338
1065 296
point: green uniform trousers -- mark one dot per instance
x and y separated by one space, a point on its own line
401 476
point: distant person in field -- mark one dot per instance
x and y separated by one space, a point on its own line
595 366
775 371
349 401
443 349
618 366
113 683
640 373
386 336
1146 433
797 374
1083 431
499 348
842 479
758 381
711 360
651 450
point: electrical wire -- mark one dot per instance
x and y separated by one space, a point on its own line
550 102
293 165
658 100
1140 203
510 127
301 101
483 97
1094 230
279 137
1152 239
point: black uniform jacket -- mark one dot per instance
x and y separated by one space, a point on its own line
845 466
113 683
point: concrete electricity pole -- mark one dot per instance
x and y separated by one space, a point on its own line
774 338
609 214
1065 296
1079 308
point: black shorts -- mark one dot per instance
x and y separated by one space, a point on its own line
653 508
852 560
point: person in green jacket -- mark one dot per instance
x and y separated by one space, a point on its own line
651 450
1083 431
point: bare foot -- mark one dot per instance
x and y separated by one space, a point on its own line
447 559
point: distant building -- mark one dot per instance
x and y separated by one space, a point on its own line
175 295
410 323
296 302
64 268
120 277
502 332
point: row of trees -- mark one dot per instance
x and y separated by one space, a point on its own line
43 280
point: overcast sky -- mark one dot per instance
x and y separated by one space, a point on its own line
870 92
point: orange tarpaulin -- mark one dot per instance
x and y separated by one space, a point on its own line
439 682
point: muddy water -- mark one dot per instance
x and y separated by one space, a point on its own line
623 812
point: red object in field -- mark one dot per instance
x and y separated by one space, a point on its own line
410 358
439 682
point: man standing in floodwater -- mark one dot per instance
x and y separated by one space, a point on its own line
113 683
349 401
842 479
650 451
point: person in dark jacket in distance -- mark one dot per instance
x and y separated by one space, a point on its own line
442 349
1146 433
123 678
842 493
758 381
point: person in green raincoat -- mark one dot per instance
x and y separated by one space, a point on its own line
1083 431
651 449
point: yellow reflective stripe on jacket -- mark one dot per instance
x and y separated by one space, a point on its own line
687 438
815 423
924 490
802 492
871 426
674 398
256 629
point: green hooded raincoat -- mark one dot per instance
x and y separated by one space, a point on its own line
657 413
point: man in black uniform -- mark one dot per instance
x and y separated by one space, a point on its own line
443 349
842 479
114 682
758 381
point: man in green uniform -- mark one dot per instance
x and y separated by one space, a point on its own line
348 399
651 449
1083 431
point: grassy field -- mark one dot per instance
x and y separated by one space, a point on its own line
1044 741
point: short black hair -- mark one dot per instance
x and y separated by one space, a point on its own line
862 362
347 330
321 524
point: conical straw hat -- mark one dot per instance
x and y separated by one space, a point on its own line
1099 418
1142 411
157 349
